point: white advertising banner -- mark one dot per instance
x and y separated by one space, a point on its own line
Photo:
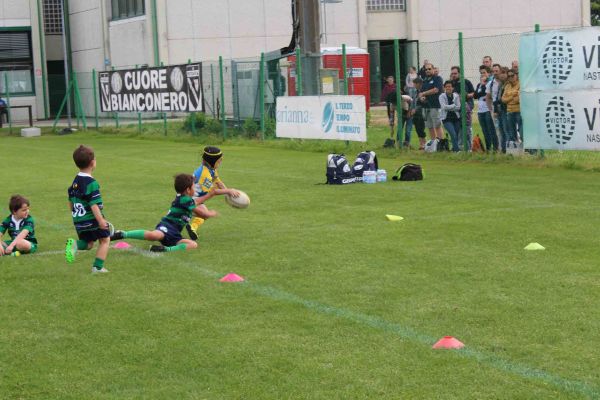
322 117
565 59
560 89
567 120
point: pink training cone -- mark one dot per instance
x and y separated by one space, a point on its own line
231 278
122 245
448 342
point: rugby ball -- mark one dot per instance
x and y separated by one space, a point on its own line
242 201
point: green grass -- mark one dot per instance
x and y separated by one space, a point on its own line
339 303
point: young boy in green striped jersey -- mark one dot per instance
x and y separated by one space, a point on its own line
168 230
85 204
20 227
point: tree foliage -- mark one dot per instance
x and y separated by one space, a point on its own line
595 12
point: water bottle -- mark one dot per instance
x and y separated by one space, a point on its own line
369 177
381 175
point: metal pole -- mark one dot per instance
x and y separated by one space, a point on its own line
155 34
345 69
7 91
400 131
222 98
262 95
116 112
95 97
79 102
212 91
542 154
66 56
42 58
193 114
298 72
463 94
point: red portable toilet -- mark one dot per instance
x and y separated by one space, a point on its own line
357 65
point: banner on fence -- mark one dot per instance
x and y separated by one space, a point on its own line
560 89
565 59
322 117
565 120
171 88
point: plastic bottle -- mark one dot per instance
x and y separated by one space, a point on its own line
381 175
369 177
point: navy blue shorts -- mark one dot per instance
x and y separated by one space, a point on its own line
172 234
92 236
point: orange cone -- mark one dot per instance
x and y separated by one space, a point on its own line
231 278
448 342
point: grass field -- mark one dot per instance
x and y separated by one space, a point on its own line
338 304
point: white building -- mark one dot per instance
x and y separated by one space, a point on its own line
125 33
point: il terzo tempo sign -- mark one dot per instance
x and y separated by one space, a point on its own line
560 89
322 117
172 88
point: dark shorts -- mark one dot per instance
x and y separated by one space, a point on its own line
172 233
93 235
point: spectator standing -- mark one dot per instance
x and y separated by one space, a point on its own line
515 66
422 72
493 99
511 98
417 114
487 61
469 94
450 113
484 115
430 92
389 87
410 77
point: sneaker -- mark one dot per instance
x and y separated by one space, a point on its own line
70 250
157 249
191 233
118 235
99 271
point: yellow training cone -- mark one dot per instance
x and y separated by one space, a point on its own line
534 246
393 217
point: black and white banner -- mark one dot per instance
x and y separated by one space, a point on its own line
173 88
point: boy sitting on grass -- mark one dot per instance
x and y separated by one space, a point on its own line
20 228
168 230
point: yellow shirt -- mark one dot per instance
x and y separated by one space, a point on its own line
511 97
204 180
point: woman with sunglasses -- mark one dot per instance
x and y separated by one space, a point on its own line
511 98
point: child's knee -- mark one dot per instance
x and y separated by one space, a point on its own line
191 245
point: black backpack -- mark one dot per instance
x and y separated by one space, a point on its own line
338 171
408 172
443 145
389 142
365 161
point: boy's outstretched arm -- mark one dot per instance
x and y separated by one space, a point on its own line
98 214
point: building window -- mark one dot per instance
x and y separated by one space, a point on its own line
127 8
16 62
53 17
386 5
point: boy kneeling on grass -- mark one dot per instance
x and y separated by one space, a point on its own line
168 230
19 225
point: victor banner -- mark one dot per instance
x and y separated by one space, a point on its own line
176 88
322 117
562 120
561 59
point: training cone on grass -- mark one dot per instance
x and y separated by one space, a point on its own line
534 246
231 278
448 342
393 217
122 245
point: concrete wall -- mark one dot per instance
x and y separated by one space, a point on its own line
199 30
444 19
23 13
